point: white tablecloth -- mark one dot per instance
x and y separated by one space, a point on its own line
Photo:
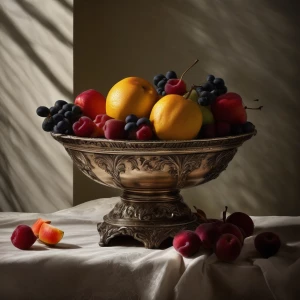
78 268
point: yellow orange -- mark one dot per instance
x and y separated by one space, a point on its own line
131 95
176 118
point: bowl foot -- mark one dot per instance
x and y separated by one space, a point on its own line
151 237
150 218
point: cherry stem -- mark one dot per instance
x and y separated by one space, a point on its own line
190 91
189 68
224 214
254 108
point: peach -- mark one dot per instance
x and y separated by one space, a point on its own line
49 234
37 225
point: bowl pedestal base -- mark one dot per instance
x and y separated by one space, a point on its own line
148 216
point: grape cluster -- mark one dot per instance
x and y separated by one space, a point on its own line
60 117
247 127
213 88
161 80
138 128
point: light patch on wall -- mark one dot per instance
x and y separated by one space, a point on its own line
36 61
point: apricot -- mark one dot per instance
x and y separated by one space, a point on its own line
49 234
37 225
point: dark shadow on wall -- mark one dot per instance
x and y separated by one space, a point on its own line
9 26
14 135
44 21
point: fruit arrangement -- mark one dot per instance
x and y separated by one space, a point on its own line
24 236
225 237
135 109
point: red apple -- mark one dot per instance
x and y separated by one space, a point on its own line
187 243
230 109
228 247
92 103
267 244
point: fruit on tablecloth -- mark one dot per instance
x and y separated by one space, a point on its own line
208 233
228 247
176 118
232 229
23 237
267 244
242 221
91 102
37 225
187 243
50 235
131 95
114 129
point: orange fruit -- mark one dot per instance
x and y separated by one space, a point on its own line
176 118
131 95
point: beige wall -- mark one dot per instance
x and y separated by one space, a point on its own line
254 45
36 53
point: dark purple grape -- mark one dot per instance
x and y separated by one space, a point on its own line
163 93
68 107
60 103
171 75
222 90
204 101
48 124
76 110
248 127
199 90
158 78
62 126
204 94
69 131
69 115
162 83
215 93
236 129
219 82
54 110
57 118
208 86
43 111
212 96
61 112
160 91
130 126
143 121
210 78
131 118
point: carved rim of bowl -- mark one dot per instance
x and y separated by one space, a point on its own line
102 145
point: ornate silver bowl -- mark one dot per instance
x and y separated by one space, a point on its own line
150 175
